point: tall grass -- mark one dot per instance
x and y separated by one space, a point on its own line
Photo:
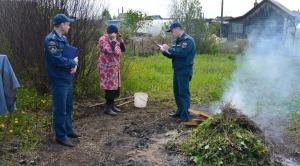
154 75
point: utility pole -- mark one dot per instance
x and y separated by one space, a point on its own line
221 26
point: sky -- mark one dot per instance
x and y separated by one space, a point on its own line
211 8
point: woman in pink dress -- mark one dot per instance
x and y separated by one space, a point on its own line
111 47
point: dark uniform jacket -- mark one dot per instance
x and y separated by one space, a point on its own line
58 66
182 53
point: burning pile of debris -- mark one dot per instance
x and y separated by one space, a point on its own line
228 138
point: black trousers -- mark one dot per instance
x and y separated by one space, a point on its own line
111 95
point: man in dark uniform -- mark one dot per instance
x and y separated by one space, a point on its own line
182 55
61 70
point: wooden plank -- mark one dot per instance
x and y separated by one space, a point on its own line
192 123
199 120
199 113
130 97
125 103
98 104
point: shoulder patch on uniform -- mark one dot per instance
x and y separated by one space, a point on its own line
51 43
184 45
52 47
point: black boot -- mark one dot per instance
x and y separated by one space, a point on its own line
74 135
109 111
115 109
65 143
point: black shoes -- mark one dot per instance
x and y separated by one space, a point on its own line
74 135
174 115
109 110
65 143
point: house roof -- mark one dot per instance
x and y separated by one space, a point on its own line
274 2
154 17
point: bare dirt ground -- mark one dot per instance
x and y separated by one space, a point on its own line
135 137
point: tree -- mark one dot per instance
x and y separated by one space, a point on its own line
186 12
189 14
133 21
106 15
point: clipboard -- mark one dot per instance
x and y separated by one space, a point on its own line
70 52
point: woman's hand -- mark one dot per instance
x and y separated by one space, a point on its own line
113 37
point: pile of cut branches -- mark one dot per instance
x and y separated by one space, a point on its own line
228 138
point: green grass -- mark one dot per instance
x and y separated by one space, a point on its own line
294 127
154 75
294 121
22 131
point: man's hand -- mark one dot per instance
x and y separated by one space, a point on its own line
76 60
73 70
164 48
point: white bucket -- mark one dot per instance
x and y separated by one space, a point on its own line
140 99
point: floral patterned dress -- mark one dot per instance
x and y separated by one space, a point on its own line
109 63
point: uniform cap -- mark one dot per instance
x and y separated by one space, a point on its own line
61 18
173 26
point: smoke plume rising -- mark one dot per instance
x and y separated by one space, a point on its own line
266 84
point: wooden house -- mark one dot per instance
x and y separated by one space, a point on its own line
266 19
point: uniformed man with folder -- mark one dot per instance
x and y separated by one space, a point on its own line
62 63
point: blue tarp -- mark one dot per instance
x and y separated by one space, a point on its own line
8 86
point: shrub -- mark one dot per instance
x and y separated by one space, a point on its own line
26 35
237 46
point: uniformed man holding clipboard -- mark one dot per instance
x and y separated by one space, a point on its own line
62 62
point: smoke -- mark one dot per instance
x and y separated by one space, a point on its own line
265 85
